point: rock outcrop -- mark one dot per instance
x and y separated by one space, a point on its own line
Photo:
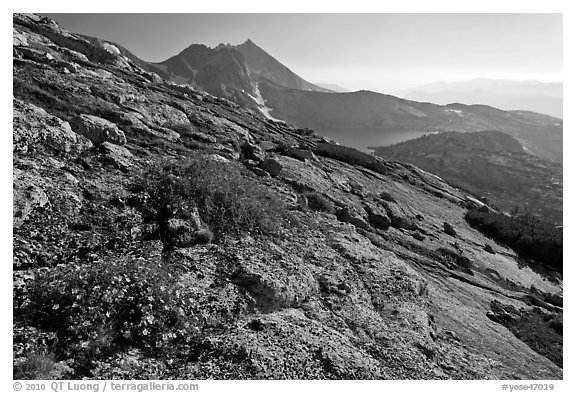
98 130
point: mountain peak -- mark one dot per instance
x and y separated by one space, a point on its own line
248 44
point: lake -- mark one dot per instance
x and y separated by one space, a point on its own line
361 138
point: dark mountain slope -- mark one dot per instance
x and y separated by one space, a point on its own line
221 71
229 71
491 164
263 65
164 233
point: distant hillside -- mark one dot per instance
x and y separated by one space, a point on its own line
334 87
534 96
490 164
540 134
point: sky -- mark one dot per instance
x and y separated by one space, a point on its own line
380 52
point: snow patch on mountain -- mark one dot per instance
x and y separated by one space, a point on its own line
262 104
457 111
192 70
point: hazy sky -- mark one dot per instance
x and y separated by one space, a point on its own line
381 52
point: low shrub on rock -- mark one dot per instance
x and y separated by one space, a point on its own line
351 156
229 200
529 236
319 202
100 308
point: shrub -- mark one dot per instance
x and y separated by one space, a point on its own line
454 260
228 199
204 236
526 234
319 202
39 366
351 156
556 323
95 309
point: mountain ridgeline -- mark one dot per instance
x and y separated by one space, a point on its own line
250 76
229 71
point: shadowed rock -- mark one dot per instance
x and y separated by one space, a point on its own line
98 130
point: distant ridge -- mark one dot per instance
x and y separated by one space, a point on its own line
530 95
334 87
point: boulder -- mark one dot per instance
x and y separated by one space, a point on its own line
119 156
112 49
19 39
449 229
98 130
272 166
186 233
251 151
377 216
153 77
347 215
418 236
488 248
399 218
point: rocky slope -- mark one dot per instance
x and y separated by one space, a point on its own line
161 232
490 164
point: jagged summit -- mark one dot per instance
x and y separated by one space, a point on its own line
230 71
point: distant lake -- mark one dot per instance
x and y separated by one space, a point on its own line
361 138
